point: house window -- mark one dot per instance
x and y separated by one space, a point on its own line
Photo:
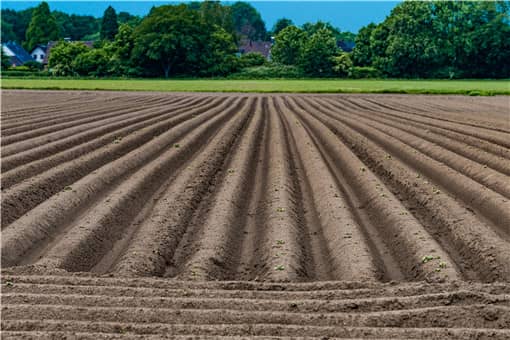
42 56
34 56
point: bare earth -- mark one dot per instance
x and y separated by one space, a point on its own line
352 216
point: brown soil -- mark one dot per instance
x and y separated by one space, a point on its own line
350 216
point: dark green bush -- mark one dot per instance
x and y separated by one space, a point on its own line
358 72
252 59
268 72
22 73
33 65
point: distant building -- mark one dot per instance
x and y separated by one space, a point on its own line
262 47
16 52
346 46
51 44
38 53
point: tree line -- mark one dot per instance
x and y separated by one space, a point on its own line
453 39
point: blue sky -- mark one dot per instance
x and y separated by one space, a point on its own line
347 15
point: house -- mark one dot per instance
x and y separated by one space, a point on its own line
17 53
38 53
346 46
51 44
262 47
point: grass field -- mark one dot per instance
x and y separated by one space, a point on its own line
471 87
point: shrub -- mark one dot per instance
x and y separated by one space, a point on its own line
33 65
342 64
252 59
92 62
358 72
267 72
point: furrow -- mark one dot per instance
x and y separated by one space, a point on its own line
492 206
39 131
340 235
445 112
93 234
280 253
461 298
214 249
473 316
62 106
35 226
436 135
398 230
474 244
20 198
52 329
473 142
485 177
59 280
16 175
152 247
62 139
62 116
496 137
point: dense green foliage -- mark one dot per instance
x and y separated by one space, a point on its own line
247 21
74 26
15 24
42 28
439 39
109 24
176 40
5 60
63 55
281 24
288 46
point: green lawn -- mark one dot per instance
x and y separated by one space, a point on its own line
473 87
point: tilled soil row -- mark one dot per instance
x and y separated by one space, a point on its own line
341 191
55 306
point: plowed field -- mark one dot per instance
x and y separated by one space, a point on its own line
351 216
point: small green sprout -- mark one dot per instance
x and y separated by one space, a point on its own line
280 242
279 267
280 209
176 145
68 188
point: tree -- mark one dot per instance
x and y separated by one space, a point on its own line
178 40
252 59
218 58
213 13
167 37
62 57
127 18
312 28
6 60
74 26
318 53
281 24
8 32
93 62
17 22
362 52
248 22
42 28
109 25
342 64
288 46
